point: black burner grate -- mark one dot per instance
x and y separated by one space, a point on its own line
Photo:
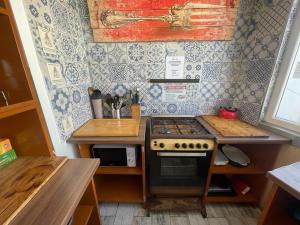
177 126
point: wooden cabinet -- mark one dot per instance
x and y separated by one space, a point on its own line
21 119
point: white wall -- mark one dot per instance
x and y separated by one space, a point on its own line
61 148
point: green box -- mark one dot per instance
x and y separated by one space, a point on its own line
7 157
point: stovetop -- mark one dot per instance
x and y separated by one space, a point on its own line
178 127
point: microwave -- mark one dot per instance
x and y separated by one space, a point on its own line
115 155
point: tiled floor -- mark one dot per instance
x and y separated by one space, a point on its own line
218 214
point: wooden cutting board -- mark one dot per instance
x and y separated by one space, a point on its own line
109 128
234 128
21 180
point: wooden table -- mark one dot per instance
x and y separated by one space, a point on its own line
70 191
118 184
281 199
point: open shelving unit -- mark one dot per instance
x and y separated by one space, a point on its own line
21 117
254 175
118 183
229 169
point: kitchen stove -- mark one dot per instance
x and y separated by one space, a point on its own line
179 157
179 133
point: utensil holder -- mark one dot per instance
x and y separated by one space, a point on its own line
116 113
136 111
97 106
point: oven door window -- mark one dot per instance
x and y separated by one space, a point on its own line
178 168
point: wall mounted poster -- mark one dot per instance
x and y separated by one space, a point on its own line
162 20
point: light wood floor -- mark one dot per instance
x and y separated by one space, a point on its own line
218 214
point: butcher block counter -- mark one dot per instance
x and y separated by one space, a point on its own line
48 190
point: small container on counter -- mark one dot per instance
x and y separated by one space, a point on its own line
136 111
96 99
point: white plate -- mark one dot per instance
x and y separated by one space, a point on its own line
235 155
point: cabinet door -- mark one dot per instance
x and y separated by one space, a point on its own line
12 75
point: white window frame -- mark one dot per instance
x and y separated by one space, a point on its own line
282 79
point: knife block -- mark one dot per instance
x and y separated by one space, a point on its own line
136 111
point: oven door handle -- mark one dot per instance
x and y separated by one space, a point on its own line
181 154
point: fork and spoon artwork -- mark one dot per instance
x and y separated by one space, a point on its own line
162 20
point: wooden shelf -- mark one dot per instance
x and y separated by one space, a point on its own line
17 108
82 214
174 80
119 188
120 170
4 11
247 198
229 169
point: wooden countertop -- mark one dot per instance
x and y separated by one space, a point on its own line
56 202
272 139
140 139
288 188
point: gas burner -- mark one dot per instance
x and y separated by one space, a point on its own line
185 127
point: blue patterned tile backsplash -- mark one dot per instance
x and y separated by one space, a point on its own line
235 72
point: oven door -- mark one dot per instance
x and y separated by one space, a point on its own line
179 173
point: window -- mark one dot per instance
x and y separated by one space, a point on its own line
284 107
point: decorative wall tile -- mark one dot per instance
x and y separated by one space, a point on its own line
155 70
117 52
172 108
266 47
248 112
214 90
259 71
272 18
195 51
137 52
137 72
46 37
193 70
60 101
120 89
118 72
98 53
156 52
55 74
254 92
175 49
155 91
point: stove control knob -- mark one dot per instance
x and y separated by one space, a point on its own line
198 145
162 145
205 146
177 145
191 145
184 145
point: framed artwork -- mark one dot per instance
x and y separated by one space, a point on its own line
162 20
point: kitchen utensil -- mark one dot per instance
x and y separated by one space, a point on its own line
4 97
116 113
178 16
109 100
90 91
228 113
235 156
